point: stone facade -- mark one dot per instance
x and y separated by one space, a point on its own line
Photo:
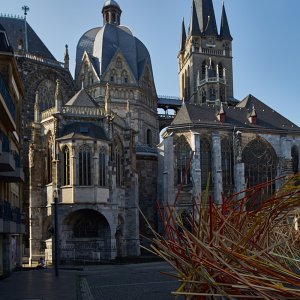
218 144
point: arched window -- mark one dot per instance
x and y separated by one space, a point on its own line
295 159
49 159
212 94
203 70
220 69
66 166
113 17
203 95
124 77
113 75
205 161
260 166
149 137
107 17
227 165
84 165
182 86
182 155
118 157
102 167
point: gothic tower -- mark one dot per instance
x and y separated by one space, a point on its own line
205 57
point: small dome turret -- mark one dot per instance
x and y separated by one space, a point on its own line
111 12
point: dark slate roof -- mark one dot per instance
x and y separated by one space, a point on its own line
206 115
206 17
183 37
145 149
81 98
86 43
224 30
194 24
15 31
103 43
83 130
4 43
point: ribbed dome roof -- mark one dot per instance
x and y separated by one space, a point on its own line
101 44
111 3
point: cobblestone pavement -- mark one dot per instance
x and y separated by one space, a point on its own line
130 282
39 285
103 282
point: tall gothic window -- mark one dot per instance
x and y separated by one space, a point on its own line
118 156
220 69
49 159
84 165
66 166
260 166
203 70
227 165
205 161
203 95
149 137
182 154
46 91
295 159
102 167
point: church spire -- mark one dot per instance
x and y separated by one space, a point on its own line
183 37
224 30
194 25
206 17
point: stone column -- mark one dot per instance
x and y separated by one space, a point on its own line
217 167
239 166
286 157
168 178
196 164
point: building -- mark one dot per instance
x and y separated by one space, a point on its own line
233 144
97 150
92 142
11 171
39 71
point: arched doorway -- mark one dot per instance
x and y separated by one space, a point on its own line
85 235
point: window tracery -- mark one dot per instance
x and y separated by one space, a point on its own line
66 166
119 162
260 165
102 167
205 161
295 159
84 165
182 156
46 91
227 165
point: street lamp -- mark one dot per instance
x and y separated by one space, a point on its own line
56 237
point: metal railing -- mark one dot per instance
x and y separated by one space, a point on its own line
7 98
9 213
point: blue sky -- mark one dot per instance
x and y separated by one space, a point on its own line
266 45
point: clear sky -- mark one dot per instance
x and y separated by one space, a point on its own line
266 45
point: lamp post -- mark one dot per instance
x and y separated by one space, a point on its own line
56 237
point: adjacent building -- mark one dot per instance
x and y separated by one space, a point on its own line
11 170
216 142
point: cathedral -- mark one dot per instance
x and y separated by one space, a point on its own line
91 144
